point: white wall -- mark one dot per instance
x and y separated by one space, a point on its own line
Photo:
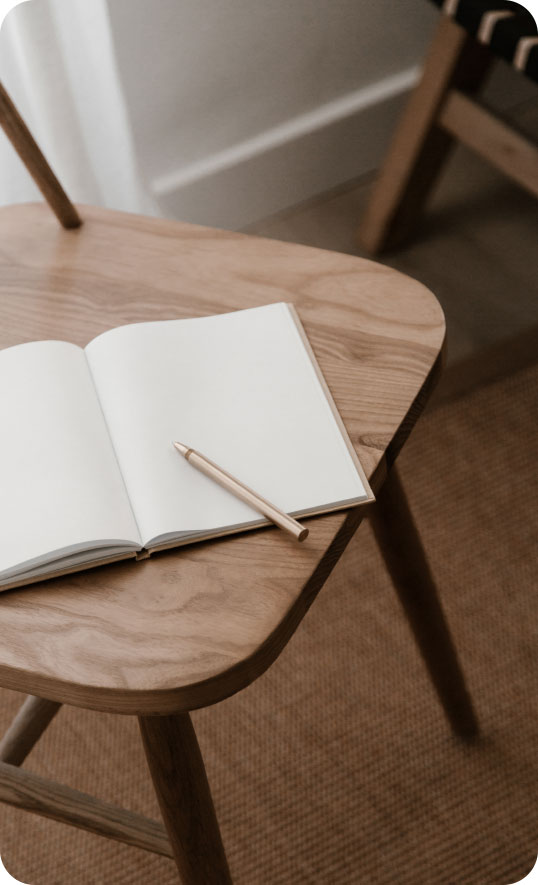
228 110
240 108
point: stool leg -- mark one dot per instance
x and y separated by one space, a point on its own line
24 732
180 781
419 147
408 567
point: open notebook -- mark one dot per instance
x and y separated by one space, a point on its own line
88 472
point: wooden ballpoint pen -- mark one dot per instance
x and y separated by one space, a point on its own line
233 485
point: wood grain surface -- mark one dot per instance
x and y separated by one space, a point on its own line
33 718
180 781
31 792
187 628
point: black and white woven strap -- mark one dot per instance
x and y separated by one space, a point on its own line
507 28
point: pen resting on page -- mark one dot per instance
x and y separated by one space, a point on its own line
248 496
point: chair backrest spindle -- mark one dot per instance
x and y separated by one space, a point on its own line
28 150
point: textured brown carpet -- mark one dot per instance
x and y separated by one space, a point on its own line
337 766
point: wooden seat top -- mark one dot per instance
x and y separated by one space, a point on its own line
189 627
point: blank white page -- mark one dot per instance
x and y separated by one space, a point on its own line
240 388
60 484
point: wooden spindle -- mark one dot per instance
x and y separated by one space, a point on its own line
28 150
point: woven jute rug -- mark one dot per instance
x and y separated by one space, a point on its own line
337 766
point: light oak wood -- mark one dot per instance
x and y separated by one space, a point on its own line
495 140
187 628
33 718
420 147
153 638
404 555
30 792
180 781
22 140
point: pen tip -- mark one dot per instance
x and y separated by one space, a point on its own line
181 448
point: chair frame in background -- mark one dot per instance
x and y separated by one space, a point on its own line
441 110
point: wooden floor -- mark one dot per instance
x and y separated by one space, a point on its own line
477 249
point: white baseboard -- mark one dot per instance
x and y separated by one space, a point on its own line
305 156
289 163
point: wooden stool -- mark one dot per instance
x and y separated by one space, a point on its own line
190 627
